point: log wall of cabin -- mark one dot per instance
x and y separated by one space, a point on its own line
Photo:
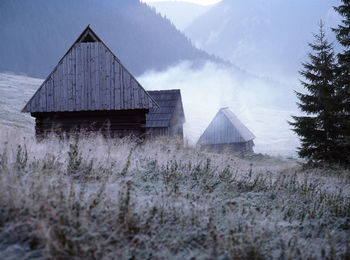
220 131
177 120
243 148
115 123
153 132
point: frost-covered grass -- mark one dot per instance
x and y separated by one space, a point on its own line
94 198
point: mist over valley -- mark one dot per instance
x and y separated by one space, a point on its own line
258 50
174 129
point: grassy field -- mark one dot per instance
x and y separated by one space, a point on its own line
94 198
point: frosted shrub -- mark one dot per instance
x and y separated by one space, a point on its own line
91 197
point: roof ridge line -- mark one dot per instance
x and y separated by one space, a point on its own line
88 29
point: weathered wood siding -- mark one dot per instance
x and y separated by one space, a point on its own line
221 131
177 120
169 118
114 123
227 133
226 128
245 148
156 131
89 78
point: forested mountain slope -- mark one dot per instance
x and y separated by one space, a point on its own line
36 34
180 13
264 37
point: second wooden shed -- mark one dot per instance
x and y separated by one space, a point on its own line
169 118
227 132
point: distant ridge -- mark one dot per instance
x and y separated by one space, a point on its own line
263 37
35 34
180 13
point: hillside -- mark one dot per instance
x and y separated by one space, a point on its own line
15 91
264 37
180 13
36 34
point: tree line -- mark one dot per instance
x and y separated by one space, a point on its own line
325 129
36 34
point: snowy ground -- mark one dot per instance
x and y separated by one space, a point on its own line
15 91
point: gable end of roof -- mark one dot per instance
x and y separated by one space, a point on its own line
100 57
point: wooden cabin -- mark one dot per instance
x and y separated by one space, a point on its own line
169 118
227 132
90 90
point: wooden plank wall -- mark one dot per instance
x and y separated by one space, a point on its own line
157 131
89 78
116 123
245 148
220 131
177 120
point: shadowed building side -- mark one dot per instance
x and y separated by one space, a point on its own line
169 118
90 90
227 132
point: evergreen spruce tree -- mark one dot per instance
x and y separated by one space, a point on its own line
343 82
318 129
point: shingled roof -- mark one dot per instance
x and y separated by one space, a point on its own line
167 101
89 77
226 128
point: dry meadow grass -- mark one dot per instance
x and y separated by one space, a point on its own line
98 198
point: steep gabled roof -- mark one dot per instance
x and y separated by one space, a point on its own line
226 128
167 100
89 77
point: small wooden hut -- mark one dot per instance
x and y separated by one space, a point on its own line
227 132
90 90
169 118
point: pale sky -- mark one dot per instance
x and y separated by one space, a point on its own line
200 2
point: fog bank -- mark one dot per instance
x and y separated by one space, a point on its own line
263 105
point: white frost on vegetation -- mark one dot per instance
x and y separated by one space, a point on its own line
102 198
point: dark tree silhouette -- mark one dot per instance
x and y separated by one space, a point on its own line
318 130
343 82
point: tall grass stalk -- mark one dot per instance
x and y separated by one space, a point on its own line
93 198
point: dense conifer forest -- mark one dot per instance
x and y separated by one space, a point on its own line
36 34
